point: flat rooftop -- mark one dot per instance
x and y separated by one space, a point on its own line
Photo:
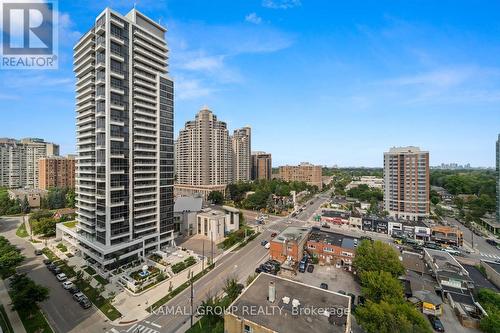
292 234
309 297
333 238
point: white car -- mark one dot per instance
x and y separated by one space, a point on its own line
67 285
268 245
61 277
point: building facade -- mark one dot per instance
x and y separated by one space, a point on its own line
203 151
242 154
262 165
56 171
406 183
332 248
304 172
124 176
19 161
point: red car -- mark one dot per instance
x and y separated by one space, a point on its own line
274 234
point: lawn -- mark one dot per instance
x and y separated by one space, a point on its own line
62 247
90 271
101 280
180 266
100 302
202 326
70 224
4 321
34 322
21 231
178 290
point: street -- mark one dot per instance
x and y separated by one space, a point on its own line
63 313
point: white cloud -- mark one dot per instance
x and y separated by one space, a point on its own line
191 88
281 4
253 18
204 63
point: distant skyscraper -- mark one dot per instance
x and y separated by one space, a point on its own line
203 151
261 165
406 183
19 161
124 183
242 152
498 178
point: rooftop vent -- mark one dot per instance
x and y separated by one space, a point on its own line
286 300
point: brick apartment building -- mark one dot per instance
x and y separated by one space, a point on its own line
56 171
304 172
332 248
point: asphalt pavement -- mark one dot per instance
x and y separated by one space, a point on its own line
62 312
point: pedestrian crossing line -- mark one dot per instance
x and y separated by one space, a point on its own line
131 328
487 255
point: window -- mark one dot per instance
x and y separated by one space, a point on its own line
247 329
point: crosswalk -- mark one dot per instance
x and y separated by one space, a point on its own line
138 328
491 256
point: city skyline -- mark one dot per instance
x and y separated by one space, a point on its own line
389 65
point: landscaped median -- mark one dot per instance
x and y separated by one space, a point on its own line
92 293
178 290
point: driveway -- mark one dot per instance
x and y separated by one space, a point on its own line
63 314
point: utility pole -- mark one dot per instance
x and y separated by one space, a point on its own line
192 297
203 255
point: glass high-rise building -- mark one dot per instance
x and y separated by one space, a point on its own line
124 106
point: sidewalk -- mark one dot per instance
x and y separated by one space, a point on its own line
14 319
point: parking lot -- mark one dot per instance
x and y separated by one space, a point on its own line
336 278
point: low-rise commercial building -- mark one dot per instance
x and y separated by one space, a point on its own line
275 304
289 245
331 247
182 190
375 224
409 229
370 181
447 235
335 216
185 211
215 223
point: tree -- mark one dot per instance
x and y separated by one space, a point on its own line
389 317
45 226
377 286
25 206
206 309
375 256
25 293
216 197
232 288
490 301
10 258
70 198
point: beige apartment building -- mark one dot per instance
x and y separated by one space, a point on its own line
261 165
203 151
406 183
19 161
242 154
304 172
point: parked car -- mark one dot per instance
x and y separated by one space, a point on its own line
38 252
73 290
323 286
437 325
85 303
67 285
492 242
47 262
61 277
268 245
325 225
274 234
79 296
310 268
51 267
264 242
275 264
366 238
56 271
302 267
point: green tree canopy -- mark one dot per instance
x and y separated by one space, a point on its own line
378 286
10 258
25 293
216 197
375 256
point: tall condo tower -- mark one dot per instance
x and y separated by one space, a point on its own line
124 106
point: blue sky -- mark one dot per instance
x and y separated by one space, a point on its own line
330 82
